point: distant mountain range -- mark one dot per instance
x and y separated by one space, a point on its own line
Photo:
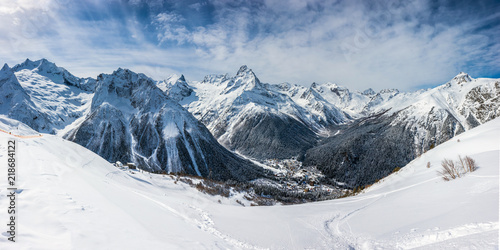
174 125
353 137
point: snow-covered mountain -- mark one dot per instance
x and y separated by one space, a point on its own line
407 125
258 119
283 120
17 104
320 95
132 120
129 117
361 136
57 94
56 74
353 137
71 198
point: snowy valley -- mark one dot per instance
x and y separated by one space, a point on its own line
72 198
212 156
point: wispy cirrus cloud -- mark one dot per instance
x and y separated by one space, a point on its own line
358 44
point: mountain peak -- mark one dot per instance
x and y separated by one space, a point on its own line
47 66
27 64
5 67
43 65
245 78
182 78
27 61
243 70
386 91
368 92
127 73
6 72
119 70
462 77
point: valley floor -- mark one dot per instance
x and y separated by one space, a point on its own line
70 198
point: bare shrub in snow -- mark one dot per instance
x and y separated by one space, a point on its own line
428 164
451 170
469 164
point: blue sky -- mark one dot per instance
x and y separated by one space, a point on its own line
357 44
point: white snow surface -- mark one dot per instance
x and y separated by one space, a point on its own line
70 198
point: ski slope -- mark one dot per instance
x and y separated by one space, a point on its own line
70 198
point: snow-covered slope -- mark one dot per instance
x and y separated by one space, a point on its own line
56 93
132 120
438 114
80 201
17 104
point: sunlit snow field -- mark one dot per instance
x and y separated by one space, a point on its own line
70 198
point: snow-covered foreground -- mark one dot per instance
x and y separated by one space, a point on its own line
70 198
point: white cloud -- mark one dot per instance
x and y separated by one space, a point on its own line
356 45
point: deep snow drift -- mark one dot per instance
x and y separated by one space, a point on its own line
70 198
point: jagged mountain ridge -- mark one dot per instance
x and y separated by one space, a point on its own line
373 147
390 127
322 107
256 119
132 120
50 99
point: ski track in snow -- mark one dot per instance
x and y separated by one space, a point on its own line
206 223
332 227
411 240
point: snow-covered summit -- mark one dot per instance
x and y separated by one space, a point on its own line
461 78
50 70
125 88
56 93
176 87
245 80
43 66
333 95
368 92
